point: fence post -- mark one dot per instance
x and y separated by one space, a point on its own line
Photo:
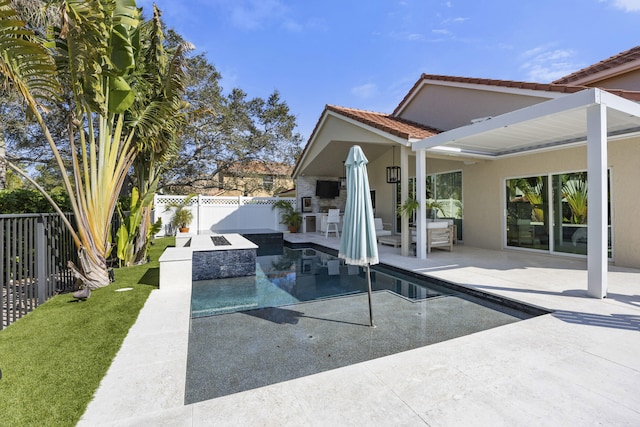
199 209
277 216
41 261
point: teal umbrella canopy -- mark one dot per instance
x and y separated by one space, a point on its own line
358 245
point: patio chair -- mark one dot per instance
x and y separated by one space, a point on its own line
526 235
440 234
333 219
380 230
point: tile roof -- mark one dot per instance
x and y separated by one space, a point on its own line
259 168
406 129
385 122
621 58
547 87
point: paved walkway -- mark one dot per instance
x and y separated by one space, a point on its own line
577 366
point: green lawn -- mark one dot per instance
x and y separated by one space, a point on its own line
53 359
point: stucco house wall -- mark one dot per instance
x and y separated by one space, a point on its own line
626 81
625 179
448 107
484 194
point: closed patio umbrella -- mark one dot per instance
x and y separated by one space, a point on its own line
358 244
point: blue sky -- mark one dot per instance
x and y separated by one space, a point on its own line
368 54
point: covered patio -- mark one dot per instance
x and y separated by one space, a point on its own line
385 140
591 117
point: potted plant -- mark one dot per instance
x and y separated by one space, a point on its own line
182 216
410 205
289 216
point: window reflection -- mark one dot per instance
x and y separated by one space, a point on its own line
530 216
527 212
444 198
570 196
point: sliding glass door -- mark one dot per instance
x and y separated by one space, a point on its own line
528 212
531 218
570 205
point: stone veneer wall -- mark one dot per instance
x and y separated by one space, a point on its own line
207 265
306 187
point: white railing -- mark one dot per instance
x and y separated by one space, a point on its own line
218 213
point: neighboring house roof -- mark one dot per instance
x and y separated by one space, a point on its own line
392 125
291 192
615 61
259 168
546 87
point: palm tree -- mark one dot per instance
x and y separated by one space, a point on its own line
95 48
158 115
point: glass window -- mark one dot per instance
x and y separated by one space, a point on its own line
444 197
530 216
528 212
570 204
448 195
267 182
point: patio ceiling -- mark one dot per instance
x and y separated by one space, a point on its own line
329 161
557 123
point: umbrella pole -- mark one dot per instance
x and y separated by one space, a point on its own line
369 291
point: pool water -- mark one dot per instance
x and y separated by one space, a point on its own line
306 312
299 275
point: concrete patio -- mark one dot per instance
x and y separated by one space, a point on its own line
579 365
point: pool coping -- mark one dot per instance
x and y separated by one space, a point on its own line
531 309
537 366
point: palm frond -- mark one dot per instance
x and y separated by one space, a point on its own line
159 115
25 63
576 193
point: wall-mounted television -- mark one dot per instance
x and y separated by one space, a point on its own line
327 189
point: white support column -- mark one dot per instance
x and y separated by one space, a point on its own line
421 197
597 213
404 195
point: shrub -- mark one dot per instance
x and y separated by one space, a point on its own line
25 200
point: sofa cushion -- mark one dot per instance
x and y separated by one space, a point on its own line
437 224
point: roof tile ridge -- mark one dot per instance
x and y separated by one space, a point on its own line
605 64
394 118
493 81
343 108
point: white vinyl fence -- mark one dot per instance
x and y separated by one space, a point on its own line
216 213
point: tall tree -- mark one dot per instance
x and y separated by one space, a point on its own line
21 140
223 131
162 74
94 50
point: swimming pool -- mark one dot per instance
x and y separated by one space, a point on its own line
306 312
299 275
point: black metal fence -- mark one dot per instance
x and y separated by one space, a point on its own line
34 252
